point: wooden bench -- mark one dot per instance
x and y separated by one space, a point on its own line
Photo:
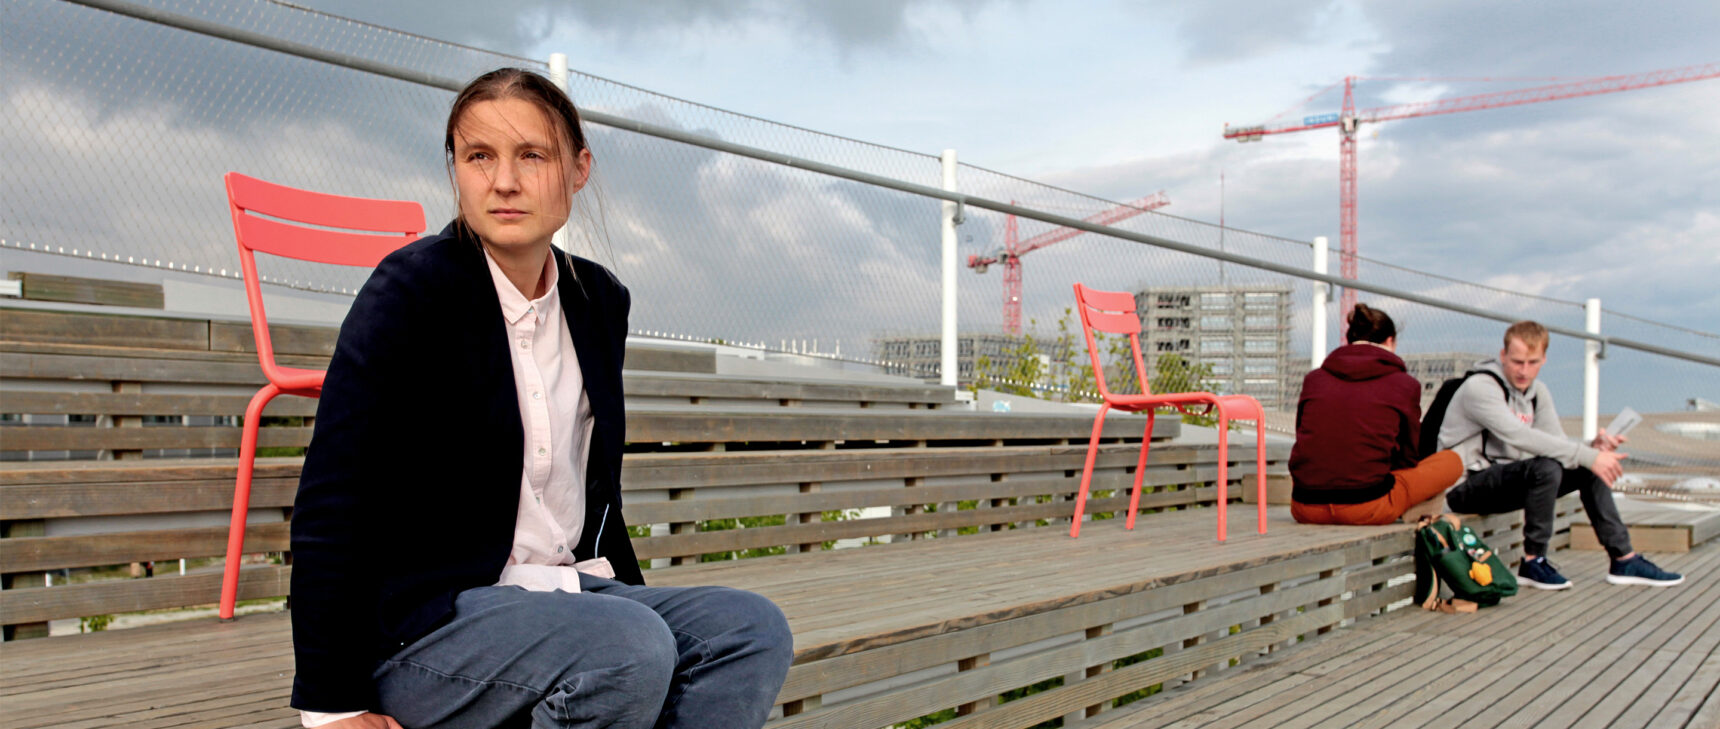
1592 656
1657 526
961 598
1006 628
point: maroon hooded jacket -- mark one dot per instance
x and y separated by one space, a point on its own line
1358 420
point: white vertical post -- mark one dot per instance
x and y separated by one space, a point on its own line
1317 345
1591 371
949 369
558 76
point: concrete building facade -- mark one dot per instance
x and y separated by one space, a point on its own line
1242 331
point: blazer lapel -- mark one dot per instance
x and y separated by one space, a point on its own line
584 318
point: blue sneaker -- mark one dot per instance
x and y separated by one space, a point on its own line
1541 574
1639 571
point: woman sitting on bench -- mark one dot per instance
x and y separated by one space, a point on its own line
460 559
1357 426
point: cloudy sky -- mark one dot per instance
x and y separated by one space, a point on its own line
1615 196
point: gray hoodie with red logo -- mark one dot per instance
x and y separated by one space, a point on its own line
1489 425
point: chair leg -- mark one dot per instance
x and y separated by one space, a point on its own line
242 499
1223 470
1141 469
1260 469
1087 471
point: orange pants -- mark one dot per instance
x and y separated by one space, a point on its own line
1426 480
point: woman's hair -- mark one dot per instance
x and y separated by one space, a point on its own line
1368 324
557 108
518 83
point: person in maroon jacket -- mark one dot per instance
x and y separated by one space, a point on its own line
1357 426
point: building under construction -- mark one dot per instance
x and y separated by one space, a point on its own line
920 356
1241 331
1433 368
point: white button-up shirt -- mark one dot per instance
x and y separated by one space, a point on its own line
556 417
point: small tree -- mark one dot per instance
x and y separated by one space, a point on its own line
1020 373
1172 373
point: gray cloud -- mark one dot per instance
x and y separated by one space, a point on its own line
1217 32
1583 38
516 26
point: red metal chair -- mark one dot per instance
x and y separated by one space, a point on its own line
1113 312
263 214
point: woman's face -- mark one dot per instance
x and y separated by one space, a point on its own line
515 190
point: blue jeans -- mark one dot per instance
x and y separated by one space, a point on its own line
614 655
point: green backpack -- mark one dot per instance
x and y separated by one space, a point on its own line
1448 552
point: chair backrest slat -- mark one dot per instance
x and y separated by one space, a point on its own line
1108 300
1113 323
329 211
316 244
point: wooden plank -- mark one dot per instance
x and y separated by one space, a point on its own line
670 359
80 290
312 341
116 403
141 497
1648 538
770 536
696 509
34 554
655 384
649 471
1655 526
1708 713
647 427
61 438
42 473
110 330
113 366
692 424
126 596
654 471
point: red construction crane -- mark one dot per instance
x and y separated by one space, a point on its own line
1349 120
1012 251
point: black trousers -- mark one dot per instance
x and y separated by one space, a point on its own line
1533 485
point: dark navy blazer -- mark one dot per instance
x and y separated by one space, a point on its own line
410 489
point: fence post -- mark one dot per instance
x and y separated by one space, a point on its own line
558 76
949 370
1317 348
1591 370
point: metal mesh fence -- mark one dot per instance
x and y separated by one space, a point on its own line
120 130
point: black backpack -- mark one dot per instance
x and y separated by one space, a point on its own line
1435 415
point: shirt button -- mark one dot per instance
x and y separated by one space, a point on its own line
537 396
525 344
558 549
543 451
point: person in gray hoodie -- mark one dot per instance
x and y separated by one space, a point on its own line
1503 425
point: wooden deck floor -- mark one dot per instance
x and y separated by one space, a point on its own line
1593 656
206 674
